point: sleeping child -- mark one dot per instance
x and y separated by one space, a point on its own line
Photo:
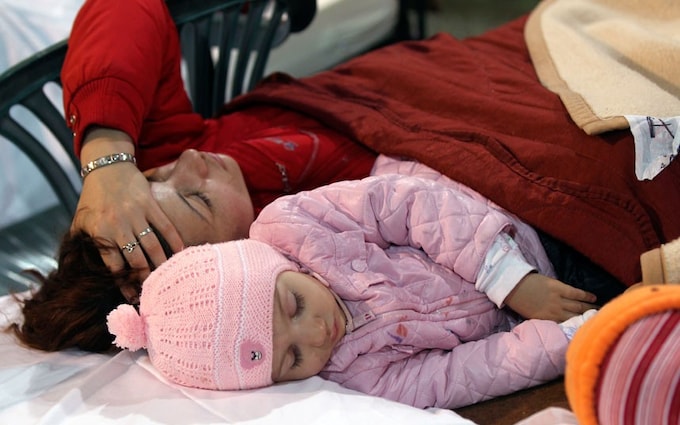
393 285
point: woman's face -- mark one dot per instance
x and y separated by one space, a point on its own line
205 196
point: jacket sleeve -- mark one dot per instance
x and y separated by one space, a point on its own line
530 354
525 236
122 68
321 225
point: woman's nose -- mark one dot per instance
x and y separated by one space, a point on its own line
316 332
191 162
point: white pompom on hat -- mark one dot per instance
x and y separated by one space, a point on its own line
205 316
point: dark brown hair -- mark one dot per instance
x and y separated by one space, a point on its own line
70 305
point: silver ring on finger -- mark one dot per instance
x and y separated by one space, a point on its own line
130 246
144 232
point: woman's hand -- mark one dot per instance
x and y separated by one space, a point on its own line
116 205
540 297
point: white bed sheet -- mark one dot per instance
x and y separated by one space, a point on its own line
80 388
341 29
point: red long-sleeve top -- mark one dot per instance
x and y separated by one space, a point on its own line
122 71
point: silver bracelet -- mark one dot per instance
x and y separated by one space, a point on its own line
106 160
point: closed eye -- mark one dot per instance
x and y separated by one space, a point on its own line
297 356
203 197
191 207
299 303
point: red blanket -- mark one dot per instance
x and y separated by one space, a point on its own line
474 110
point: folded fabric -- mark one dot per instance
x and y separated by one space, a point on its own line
662 264
608 58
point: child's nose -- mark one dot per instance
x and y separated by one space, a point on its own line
317 332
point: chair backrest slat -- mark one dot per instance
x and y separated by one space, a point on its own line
249 43
269 35
46 162
227 34
53 119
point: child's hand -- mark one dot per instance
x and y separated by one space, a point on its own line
540 297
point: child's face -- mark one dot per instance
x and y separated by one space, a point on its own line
308 323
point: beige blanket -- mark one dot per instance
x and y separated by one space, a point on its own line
608 58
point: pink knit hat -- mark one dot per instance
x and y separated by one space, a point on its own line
205 316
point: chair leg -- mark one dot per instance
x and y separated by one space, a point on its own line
405 29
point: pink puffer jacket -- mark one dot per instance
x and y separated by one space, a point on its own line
403 253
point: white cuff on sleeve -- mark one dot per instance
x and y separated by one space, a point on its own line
570 326
503 267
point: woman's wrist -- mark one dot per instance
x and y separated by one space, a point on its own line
104 147
99 142
106 161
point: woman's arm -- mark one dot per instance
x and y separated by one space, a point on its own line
122 68
121 74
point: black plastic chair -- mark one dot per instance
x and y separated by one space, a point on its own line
411 21
242 40
225 45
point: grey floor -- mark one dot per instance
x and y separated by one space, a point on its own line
464 18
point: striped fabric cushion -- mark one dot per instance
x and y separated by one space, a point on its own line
640 379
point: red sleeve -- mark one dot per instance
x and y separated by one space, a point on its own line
282 152
122 71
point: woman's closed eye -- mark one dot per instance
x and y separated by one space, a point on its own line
203 197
